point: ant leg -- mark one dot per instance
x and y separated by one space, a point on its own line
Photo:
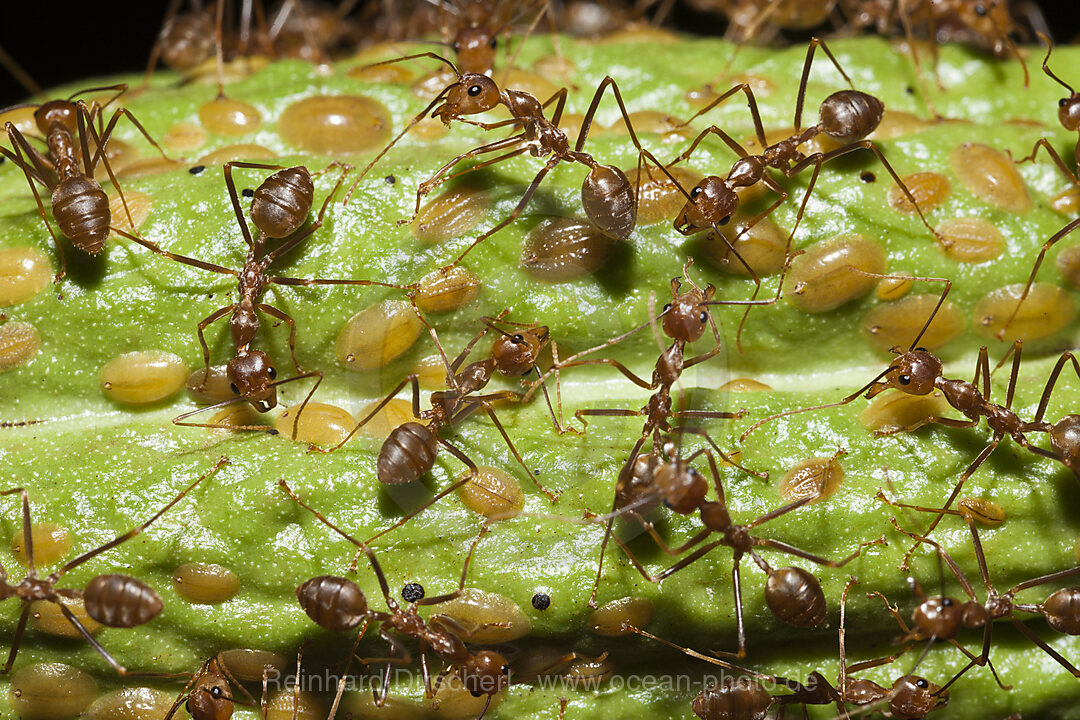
1052 381
100 141
1044 646
869 145
712 461
525 198
154 247
283 317
307 398
759 130
711 130
16 640
965 584
235 199
609 524
814 43
454 486
521 461
212 318
28 535
1045 144
484 529
382 403
1034 271
71 564
40 173
439 177
99 153
956 491
694 556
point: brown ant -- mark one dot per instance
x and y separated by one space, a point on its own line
409 451
606 193
911 697
1069 117
113 600
79 205
942 618
208 695
338 604
847 116
279 207
918 371
792 594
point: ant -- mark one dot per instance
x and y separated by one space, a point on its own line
80 207
279 207
847 116
338 604
911 697
410 450
606 194
1069 117
476 40
917 371
208 695
113 600
943 617
684 320
792 594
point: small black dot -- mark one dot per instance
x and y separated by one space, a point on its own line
867 177
909 90
197 169
541 601
3 159
389 179
247 192
412 592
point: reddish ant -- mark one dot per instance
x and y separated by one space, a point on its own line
1069 117
942 618
80 207
792 594
606 194
910 698
338 604
410 450
279 207
918 371
113 600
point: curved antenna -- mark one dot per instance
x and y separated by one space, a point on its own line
1046 68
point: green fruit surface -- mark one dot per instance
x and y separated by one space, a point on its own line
98 468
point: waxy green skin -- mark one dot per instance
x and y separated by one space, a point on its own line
99 468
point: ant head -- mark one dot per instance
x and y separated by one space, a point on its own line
687 315
938 616
682 487
475 47
1069 112
913 697
210 697
515 353
251 376
914 373
485 673
56 111
711 202
473 93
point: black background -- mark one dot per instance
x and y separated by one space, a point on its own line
62 41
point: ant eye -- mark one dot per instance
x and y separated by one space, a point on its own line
272 373
922 683
215 693
904 379
667 307
494 43
947 602
475 90
1063 102
457 46
517 339
922 349
236 390
695 192
980 9
505 669
725 220
704 316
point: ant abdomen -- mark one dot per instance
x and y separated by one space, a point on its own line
733 699
121 601
188 40
608 199
408 453
282 203
81 209
850 115
795 596
1062 610
335 603
1065 438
